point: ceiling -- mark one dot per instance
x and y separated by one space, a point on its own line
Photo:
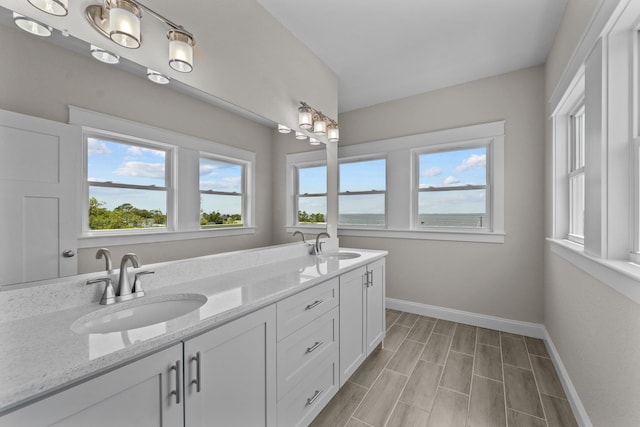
383 51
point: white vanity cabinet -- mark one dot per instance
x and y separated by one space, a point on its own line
230 373
144 393
362 315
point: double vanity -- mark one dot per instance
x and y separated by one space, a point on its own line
250 338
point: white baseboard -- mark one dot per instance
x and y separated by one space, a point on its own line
572 395
535 330
529 329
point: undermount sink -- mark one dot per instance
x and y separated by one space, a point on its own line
339 255
138 313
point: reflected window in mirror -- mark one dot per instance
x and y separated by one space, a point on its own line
127 184
222 193
311 195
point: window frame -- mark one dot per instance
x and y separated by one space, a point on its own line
358 159
296 194
576 166
244 202
455 146
401 182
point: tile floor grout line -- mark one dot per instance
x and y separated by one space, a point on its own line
535 380
395 405
504 383
367 424
529 415
473 366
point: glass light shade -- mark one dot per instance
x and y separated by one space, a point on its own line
124 24
305 118
52 7
104 56
333 133
31 26
314 141
300 135
157 77
283 129
320 127
180 50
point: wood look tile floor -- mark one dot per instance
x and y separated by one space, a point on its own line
436 373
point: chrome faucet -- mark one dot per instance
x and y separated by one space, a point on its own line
301 235
104 252
318 246
124 287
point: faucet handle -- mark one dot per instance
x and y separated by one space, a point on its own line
109 294
137 283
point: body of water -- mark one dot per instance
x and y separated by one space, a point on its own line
471 220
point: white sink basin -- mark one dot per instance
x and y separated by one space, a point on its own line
339 255
138 313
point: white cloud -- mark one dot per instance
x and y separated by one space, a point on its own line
432 171
97 147
451 180
147 170
474 161
138 151
230 183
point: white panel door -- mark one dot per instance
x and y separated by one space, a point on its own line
375 305
352 326
230 373
138 394
40 162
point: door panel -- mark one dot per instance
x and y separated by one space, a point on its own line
39 187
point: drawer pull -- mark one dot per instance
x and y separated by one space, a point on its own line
315 304
313 347
197 381
313 398
176 392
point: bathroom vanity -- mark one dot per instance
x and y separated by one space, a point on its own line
279 333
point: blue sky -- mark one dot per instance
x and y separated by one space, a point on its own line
132 164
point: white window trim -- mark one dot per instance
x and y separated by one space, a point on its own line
364 158
573 170
401 183
185 179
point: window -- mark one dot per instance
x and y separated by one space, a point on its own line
453 190
576 174
362 196
221 193
311 195
127 183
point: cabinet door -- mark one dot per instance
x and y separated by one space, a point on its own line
236 382
375 305
352 318
138 394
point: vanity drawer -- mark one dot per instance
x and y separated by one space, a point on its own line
298 310
300 354
305 401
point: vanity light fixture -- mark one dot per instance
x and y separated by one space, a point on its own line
119 20
31 26
103 55
283 129
313 120
314 141
52 7
300 136
157 77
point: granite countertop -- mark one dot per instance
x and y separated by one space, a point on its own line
41 353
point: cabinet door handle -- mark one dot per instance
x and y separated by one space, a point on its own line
176 392
314 397
370 277
310 306
313 347
196 359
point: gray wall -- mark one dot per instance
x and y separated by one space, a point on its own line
502 280
595 329
44 79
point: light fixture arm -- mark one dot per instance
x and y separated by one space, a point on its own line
319 113
161 18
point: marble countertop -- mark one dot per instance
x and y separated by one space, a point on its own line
41 353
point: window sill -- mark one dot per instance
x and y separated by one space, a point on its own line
138 237
622 276
455 236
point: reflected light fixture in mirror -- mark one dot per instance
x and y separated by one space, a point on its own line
301 136
283 129
104 55
320 126
333 132
52 7
314 141
157 77
31 26
124 23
